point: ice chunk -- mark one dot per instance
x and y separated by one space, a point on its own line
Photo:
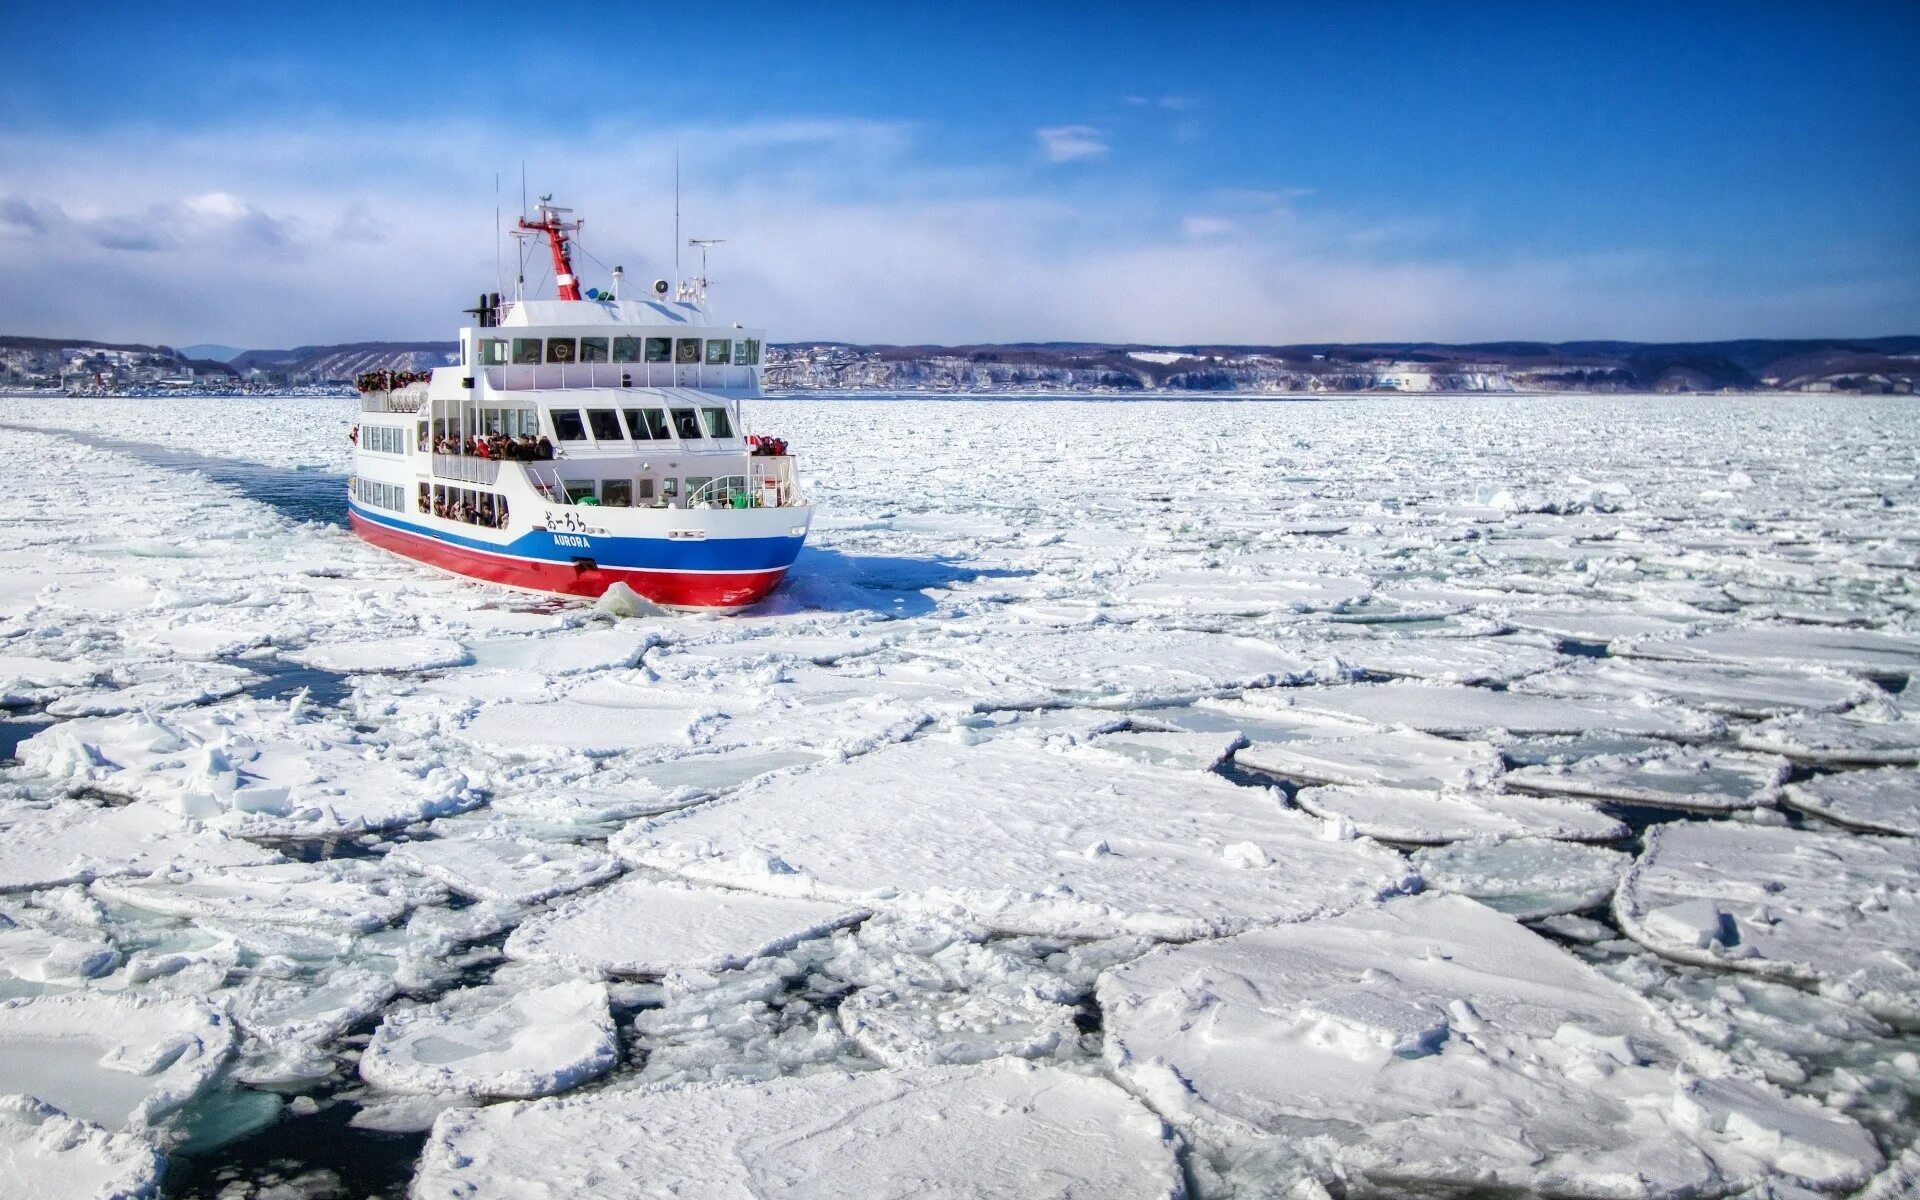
1001 1129
904 1028
1886 800
569 652
1525 878
1666 778
47 1155
390 655
154 687
488 1042
1388 757
1875 734
648 927
75 843
1732 690
116 1060
337 896
1432 1044
1885 655
1106 664
1446 659
1838 912
1464 711
1000 831
1178 749
493 864
1430 817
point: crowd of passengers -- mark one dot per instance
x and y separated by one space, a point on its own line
499 446
452 508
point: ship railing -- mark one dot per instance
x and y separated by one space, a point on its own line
768 483
467 469
400 400
526 377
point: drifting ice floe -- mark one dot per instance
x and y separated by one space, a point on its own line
1526 878
74 842
1666 778
488 1042
117 1061
1023 837
1836 911
1886 655
494 864
1732 690
48 1155
903 1027
1377 757
1429 817
1875 734
645 927
338 896
1463 711
383 655
1886 800
1004 1129
1446 660
1431 1042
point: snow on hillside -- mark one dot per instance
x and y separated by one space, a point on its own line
1387 798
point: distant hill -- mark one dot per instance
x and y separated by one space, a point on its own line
210 350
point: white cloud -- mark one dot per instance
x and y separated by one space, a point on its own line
1205 227
1071 143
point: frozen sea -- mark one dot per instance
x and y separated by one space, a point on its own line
1310 798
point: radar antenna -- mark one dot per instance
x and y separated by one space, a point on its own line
555 227
696 289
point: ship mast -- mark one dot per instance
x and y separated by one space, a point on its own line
556 229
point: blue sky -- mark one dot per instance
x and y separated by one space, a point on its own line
1252 173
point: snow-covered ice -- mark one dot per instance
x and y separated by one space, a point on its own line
997 734
117 1061
1432 1041
48 1155
1834 911
998 1130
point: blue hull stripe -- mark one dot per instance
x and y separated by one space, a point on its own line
634 553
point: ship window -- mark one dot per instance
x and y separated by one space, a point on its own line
717 423
643 489
486 508
420 437
659 349
637 425
753 352
493 352
560 350
526 350
718 351
626 349
684 425
694 494
657 424
740 353
616 492
567 425
580 489
593 349
605 425
687 351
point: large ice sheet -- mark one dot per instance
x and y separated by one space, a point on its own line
1885 800
1465 660
1465 711
1679 777
115 1060
649 927
1432 1043
1739 691
1875 734
1403 758
492 863
1838 912
337 896
47 1155
1023 836
1429 817
1870 652
999 1130
489 1042
72 842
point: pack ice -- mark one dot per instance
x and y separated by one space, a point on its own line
1432 1042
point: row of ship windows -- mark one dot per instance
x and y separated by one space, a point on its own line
712 352
383 439
643 424
380 495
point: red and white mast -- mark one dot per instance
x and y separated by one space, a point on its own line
556 228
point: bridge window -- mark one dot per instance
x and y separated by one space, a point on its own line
638 425
581 489
753 353
626 349
644 490
684 425
493 352
659 349
719 351
717 423
605 425
560 350
617 492
593 349
687 350
526 350
567 425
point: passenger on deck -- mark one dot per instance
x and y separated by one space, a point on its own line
545 448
